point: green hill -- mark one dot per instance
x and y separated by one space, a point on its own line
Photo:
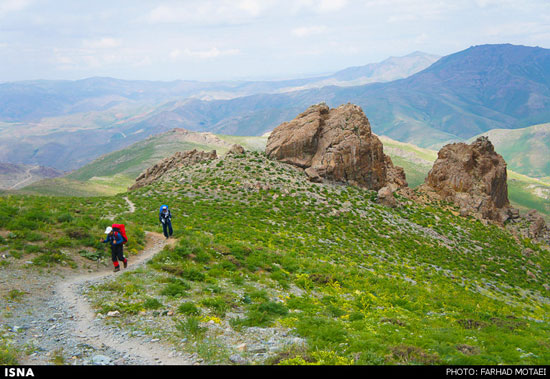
114 172
303 273
526 150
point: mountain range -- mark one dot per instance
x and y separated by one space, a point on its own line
459 96
66 125
46 122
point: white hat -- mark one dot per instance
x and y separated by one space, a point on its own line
108 230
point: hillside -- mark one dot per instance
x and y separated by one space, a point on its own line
271 268
460 96
13 176
114 172
527 150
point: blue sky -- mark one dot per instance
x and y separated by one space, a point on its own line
246 39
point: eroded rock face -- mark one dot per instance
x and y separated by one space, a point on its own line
537 227
335 144
179 159
473 177
236 149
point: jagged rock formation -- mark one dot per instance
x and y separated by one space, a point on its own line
537 227
179 159
473 177
335 144
236 149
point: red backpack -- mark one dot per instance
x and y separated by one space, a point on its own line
121 229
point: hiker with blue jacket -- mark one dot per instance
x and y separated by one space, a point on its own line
117 242
165 217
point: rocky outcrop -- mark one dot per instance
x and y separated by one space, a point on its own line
236 149
337 145
474 177
179 159
537 226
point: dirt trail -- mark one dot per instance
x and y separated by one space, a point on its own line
131 206
93 333
27 178
60 318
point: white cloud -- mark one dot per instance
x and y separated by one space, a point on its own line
102 43
202 54
305 31
7 6
402 18
318 6
332 5
209 12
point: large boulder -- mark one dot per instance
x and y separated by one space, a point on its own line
177 160
335 144
472 176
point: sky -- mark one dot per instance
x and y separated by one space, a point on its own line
210 40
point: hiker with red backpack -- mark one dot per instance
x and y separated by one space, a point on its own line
116 235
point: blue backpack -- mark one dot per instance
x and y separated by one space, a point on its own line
162 206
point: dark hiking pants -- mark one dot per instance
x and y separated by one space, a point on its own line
167 228
117 253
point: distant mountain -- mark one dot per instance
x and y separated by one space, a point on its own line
526 150
459 96
389 69
30 101
15 176
67 124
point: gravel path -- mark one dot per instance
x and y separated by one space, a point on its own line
55 323
56 320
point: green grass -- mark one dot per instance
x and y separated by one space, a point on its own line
96 186
369 285
51 231
360 283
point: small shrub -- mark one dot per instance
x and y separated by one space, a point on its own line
191 326
152 303
189 309
176 288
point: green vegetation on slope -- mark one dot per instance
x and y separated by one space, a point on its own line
114 172
95 186
525 150
54 230
261 247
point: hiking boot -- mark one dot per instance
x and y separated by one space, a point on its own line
125 263
117 269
